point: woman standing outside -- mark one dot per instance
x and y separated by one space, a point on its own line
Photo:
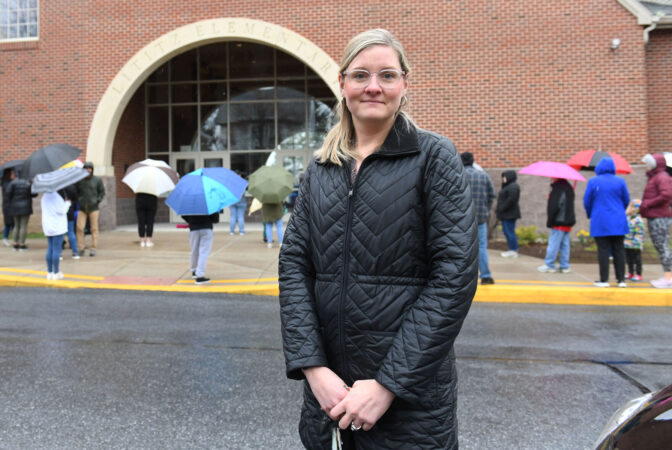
605 201
54 225
655 208
378 267
21 207
508 211
145 208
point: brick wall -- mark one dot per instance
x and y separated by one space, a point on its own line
659 92
512 82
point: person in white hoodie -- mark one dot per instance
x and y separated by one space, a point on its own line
54 225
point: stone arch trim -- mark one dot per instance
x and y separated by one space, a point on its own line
156 53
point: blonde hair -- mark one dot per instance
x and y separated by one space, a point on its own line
339 143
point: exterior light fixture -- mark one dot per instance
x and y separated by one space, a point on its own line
615 43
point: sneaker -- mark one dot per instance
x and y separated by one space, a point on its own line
510 254
487 280
202 280
601 284
546 269
242 233
622 284
636 278
23 248
58 276
269 245
149 244
81 253
50 276
92 252
629 276
662 283
16 247
6 243
564 270
142 244
60 258
193 275
232 233
75 256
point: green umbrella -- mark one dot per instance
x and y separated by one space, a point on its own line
270 184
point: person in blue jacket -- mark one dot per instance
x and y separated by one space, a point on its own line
605 201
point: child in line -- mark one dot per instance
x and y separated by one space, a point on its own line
634 242
54 225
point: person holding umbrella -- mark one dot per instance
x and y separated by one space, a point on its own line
560 219
378 267
20 201
90 191
271 185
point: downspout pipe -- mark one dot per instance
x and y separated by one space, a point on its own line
650 28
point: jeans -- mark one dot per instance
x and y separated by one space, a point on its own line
606 246
54 247
8 229
237 215
509 229
72 239
483 266
558 243
201 244
269 230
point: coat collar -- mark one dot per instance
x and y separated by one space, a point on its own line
402 139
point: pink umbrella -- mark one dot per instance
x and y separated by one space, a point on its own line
552 169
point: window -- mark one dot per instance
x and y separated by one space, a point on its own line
247 99
19 20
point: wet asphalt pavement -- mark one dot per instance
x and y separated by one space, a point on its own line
114 369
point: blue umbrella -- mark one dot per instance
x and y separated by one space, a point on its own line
206 191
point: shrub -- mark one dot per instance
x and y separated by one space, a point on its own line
531 235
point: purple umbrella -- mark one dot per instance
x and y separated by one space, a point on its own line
552 169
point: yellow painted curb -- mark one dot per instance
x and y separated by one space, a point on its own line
499 293
557 295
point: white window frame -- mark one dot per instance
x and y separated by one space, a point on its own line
10 7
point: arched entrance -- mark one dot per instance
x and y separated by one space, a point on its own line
157 53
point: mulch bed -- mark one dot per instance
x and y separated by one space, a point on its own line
577 253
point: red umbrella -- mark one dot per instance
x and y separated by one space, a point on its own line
588 159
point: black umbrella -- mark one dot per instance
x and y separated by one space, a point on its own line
48 158
15 164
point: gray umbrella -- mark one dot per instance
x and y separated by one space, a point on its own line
15 164
48 158
58 179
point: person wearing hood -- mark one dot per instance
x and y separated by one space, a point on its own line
656 208
508 211
605 201
91 192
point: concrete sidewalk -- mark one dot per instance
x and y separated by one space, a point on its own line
245 265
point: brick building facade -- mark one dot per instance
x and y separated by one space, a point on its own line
512 82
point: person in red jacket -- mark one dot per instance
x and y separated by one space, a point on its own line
656 208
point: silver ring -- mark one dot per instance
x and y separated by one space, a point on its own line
354 428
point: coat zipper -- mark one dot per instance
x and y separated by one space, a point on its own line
346 264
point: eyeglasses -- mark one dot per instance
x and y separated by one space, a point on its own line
387 78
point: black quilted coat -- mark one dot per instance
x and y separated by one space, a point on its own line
376 279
